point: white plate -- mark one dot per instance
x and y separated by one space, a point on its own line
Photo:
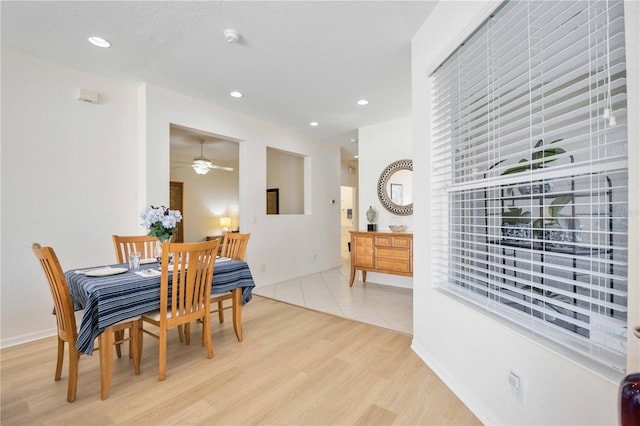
170 267
149 260
103 272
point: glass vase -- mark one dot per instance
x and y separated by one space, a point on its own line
158 249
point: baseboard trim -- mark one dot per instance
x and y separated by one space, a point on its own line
26 338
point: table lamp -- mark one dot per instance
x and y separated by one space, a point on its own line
225 222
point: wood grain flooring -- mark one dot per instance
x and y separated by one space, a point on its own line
294 367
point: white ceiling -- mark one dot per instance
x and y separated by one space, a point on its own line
187 141
296 61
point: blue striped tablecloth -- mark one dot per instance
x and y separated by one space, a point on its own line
111 299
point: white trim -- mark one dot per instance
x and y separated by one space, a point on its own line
26 338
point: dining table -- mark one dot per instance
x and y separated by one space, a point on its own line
110 294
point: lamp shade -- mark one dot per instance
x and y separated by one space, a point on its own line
225 222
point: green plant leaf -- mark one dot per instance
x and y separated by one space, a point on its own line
558 204
517 169
543 154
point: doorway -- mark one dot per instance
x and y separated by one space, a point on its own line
348 219
175 203
210 197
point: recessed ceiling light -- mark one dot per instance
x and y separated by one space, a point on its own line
363 102
314 124
354 140
99 41
236 94
356 156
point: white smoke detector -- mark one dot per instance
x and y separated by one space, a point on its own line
231 35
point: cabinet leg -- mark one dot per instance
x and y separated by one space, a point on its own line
364 276
352 277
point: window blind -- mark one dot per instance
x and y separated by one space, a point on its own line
529 172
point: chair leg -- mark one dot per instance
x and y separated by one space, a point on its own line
220 311
135 344
119 335
180 333
60 359
140 340
187 334
162 356
74 357
206 334
106 361
237 312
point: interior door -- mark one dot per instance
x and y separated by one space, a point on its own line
175 203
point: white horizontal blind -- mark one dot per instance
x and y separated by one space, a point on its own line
530 174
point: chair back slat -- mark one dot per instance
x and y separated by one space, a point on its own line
191 276
143 244
235 245
59 291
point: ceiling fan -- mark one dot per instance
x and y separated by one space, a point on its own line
202 165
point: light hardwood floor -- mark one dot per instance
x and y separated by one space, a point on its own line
294 367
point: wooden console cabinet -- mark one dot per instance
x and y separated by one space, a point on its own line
384 252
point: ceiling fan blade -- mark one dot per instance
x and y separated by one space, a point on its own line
215 166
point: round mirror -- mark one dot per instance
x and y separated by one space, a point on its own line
395 188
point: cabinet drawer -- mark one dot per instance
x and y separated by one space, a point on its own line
403 242
393 265
392 253
383 241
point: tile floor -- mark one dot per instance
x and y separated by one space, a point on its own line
329 291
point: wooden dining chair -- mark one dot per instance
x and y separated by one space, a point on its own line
143 244
67 329
234 247
185 292
125 244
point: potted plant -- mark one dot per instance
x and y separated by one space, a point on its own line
538 160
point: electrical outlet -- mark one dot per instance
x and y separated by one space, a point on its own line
516 388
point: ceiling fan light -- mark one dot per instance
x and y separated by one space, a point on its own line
201 170
201 162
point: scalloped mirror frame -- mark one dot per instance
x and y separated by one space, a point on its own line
383 195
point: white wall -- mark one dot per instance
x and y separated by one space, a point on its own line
288 246
68 180
378 146
472 352
75 173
